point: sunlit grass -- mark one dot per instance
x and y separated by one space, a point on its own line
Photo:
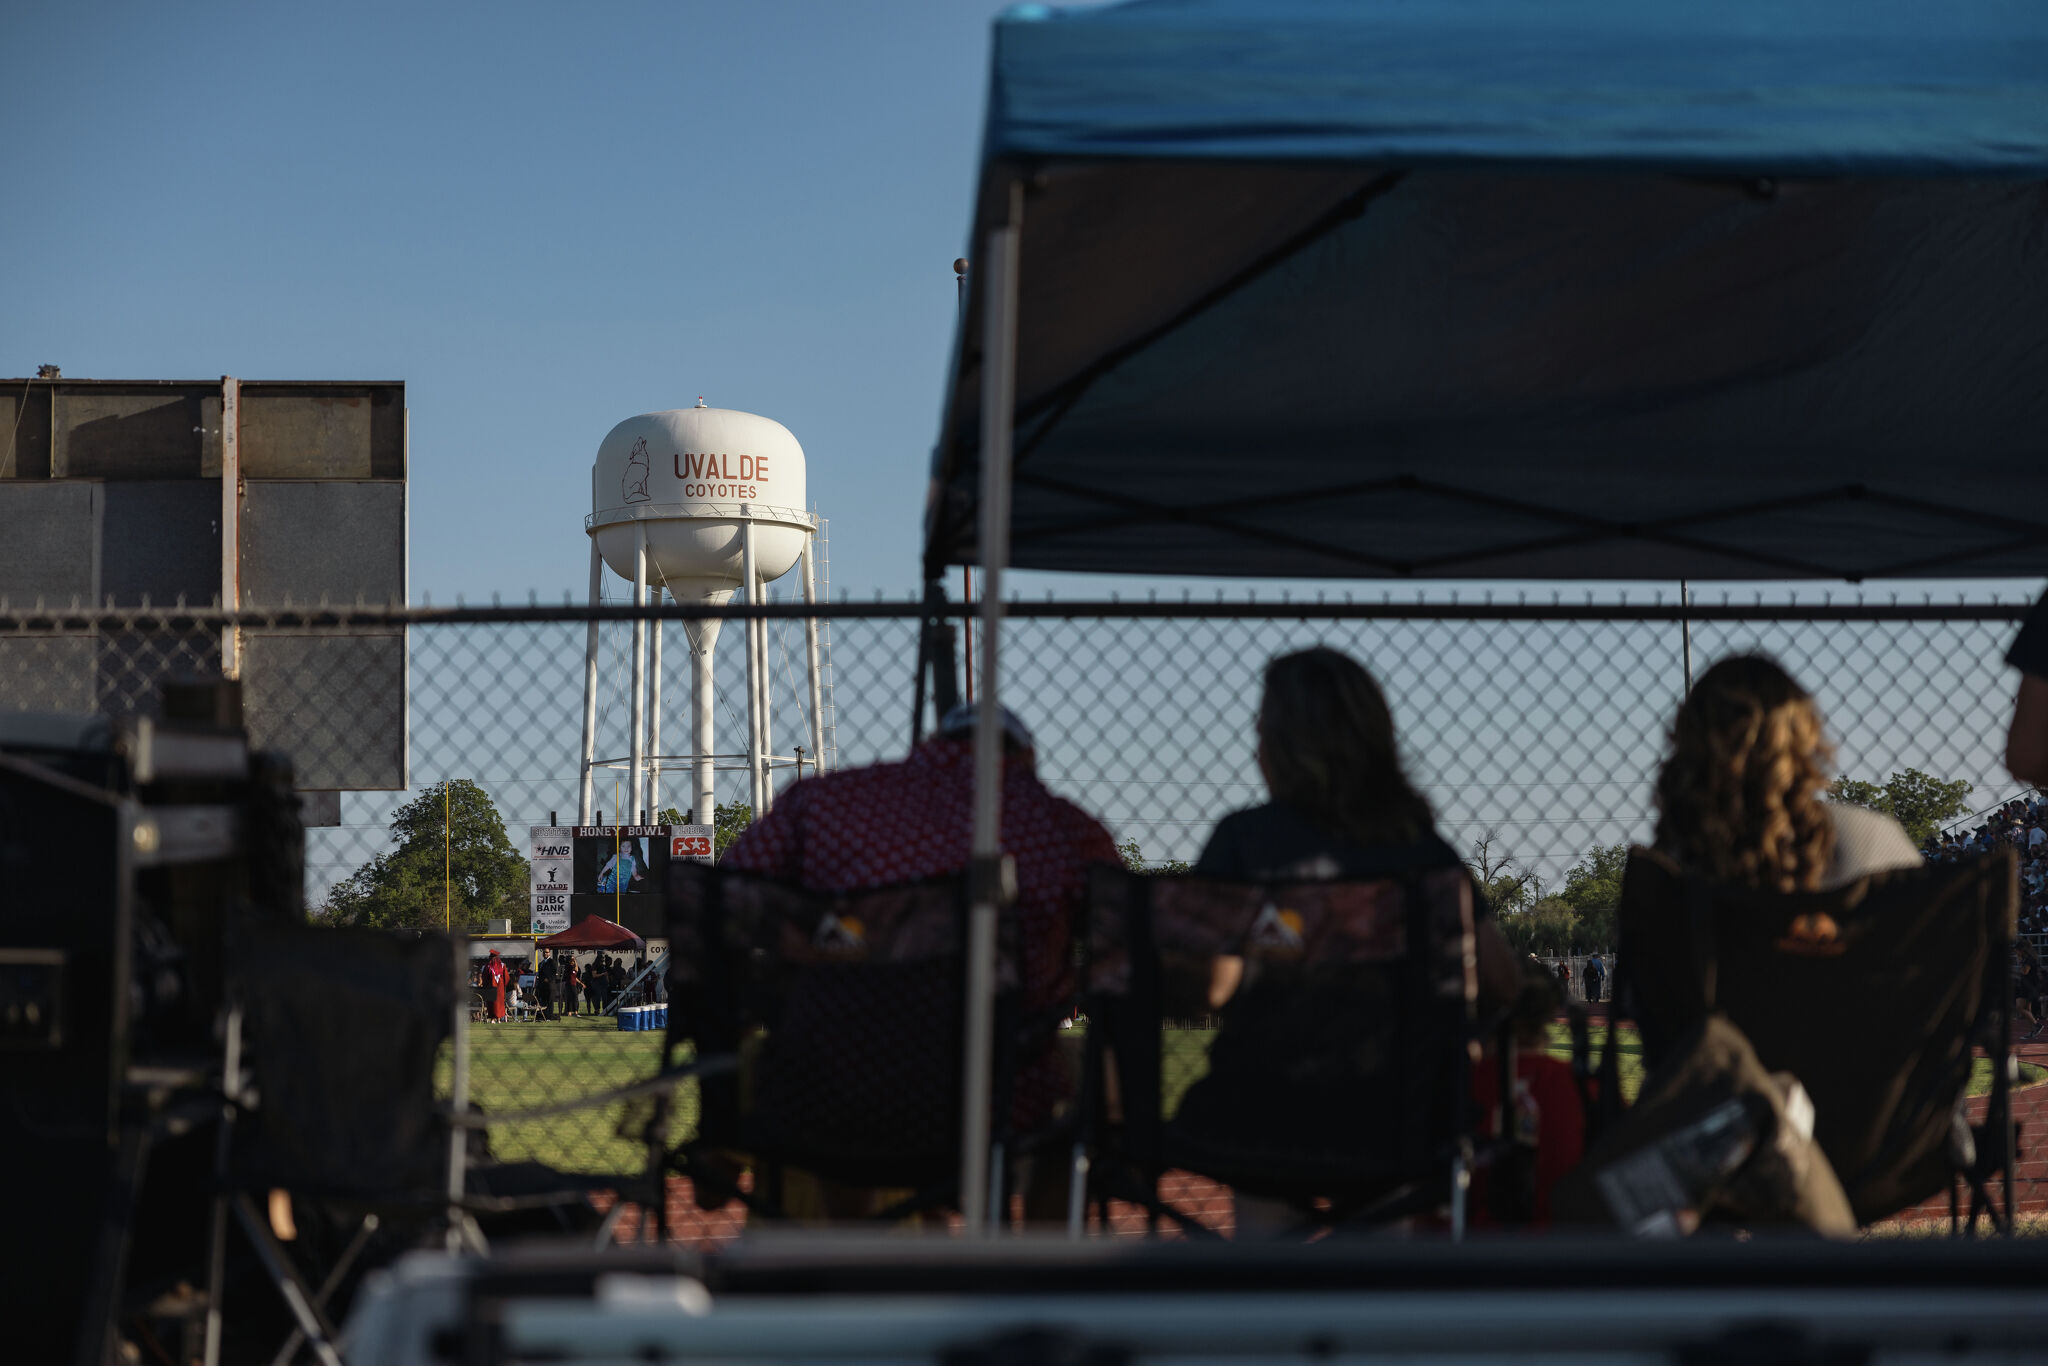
521 1066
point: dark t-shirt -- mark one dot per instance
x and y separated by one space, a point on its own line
1275 842
2029 652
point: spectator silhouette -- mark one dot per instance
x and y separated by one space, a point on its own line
891 823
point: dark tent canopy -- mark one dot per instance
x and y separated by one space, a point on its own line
592 932
1484 288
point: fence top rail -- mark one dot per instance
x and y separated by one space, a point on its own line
42 618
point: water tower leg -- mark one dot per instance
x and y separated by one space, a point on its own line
704 708
815 674
590 686
767 703
753 591
636 722
655 594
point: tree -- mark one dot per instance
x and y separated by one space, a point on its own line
451 864
1549 926
729 822
1134 859
1507 887
1592 893
1919 802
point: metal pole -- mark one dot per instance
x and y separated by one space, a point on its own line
767 704
967 629
753 591
458 1097
656 593
998 400
590 686
703 637
636 721
447 863
816 678
1685 632
230 520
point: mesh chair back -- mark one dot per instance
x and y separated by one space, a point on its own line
343 1028
1337 1068
1872 995
846 1010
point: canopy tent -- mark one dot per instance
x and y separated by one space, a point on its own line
1474 288
592 932
1485 288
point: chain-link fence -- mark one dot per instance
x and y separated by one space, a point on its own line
1534 729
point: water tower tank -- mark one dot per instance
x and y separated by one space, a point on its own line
689 477
693 485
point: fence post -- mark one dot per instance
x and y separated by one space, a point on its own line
458 1096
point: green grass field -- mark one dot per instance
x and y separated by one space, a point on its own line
517 1067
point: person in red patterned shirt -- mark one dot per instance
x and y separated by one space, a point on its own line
892 823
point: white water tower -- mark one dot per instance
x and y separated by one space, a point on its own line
699 503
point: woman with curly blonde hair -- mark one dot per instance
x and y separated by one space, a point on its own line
1739 800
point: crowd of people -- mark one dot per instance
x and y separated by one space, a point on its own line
1739 801
557 986
2022 826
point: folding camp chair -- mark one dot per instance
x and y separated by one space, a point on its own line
1337 1078
846 1009
335 1058
1873 995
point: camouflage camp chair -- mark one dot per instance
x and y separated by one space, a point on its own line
1874 995
846 1010
1335 1077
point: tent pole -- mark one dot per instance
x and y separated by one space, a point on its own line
1685 634
987 880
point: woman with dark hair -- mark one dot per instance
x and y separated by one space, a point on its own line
1342 808
572 988
1739 800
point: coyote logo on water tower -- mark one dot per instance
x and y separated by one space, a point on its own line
633 484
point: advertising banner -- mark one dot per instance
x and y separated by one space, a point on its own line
550 859
616 871
692 842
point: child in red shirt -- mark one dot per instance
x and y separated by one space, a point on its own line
1547 1123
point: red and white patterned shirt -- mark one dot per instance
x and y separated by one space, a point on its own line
905 821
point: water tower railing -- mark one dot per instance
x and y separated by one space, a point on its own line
701 512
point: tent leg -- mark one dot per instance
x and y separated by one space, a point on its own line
998 401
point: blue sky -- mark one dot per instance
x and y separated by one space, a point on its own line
542 218
546 219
